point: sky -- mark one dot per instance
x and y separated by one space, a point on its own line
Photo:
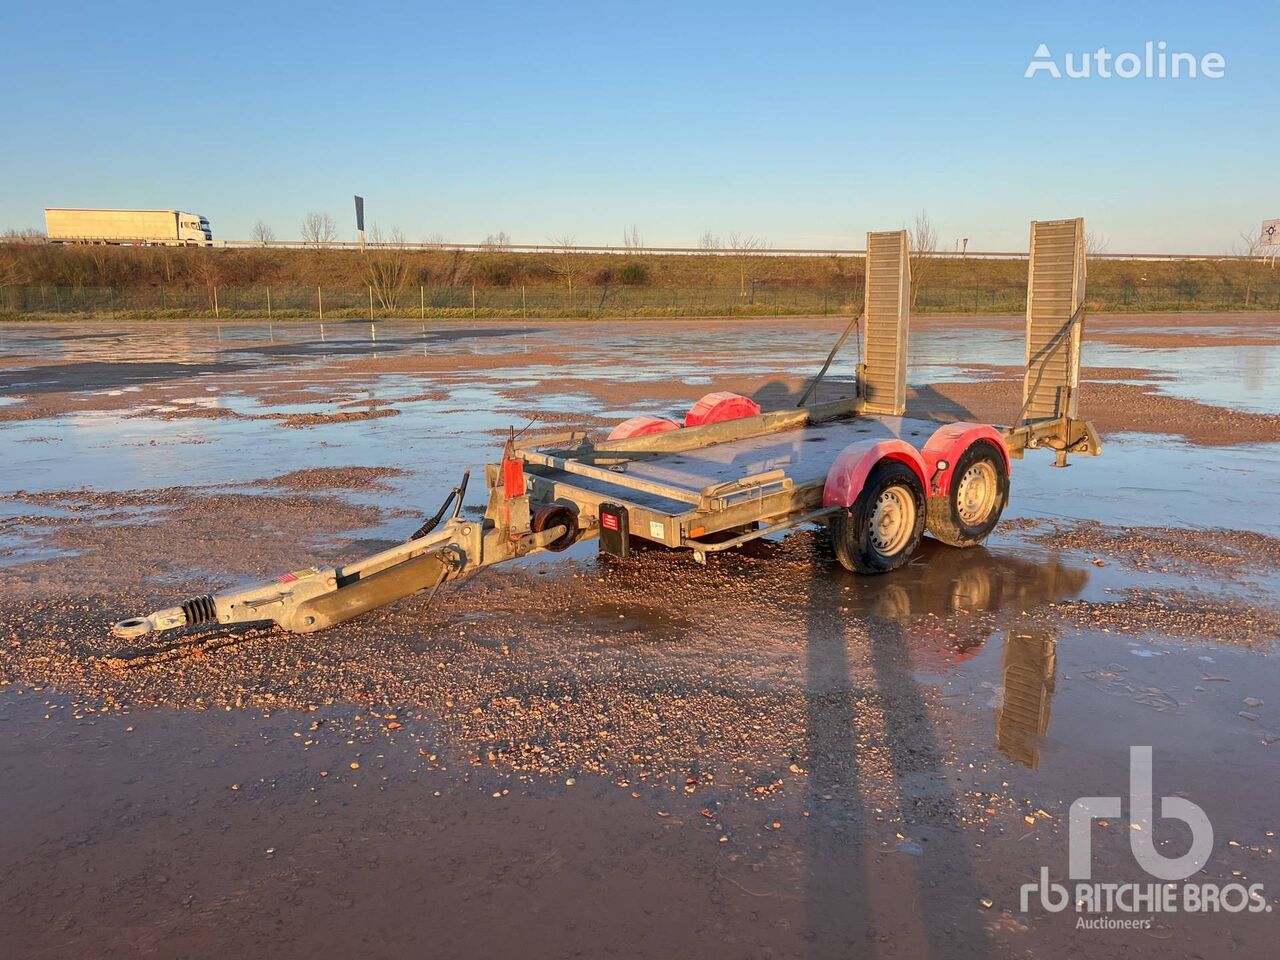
800 124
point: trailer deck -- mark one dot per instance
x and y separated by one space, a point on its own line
671 494
805 453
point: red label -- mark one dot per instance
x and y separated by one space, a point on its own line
609 521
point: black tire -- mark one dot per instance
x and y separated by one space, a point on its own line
857 546
954 523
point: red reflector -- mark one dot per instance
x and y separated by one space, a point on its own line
512 478
609 521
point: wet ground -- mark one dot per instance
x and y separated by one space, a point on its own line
574 756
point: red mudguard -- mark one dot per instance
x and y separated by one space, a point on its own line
849 471
949 443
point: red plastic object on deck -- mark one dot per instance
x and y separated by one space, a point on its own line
642 426
720 406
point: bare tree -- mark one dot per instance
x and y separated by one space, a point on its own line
745 247
567 264
1095 243
12 271
709 242
25 235
631 239
386 267
746 243
496 241
318 228
206 270
1252 249
261 233
102 259
922 239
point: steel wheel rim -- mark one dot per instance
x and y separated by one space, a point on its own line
893 519
976 493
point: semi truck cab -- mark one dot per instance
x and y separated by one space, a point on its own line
193 228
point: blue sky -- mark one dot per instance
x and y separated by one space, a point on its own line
801 123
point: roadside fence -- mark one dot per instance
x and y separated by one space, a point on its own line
753 299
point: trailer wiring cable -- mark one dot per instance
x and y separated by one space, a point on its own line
523 430
433 521
455 497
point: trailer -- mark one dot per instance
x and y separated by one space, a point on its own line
731 473
162 227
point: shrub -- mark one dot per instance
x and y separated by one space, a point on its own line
633 273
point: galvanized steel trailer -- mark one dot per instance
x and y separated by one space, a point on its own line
731 473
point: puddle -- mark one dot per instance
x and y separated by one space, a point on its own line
1158 481
19 547
1151 480
941 581
630 622
1242 378
1067 705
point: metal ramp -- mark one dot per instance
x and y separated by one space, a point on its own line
883 375
1055 322
1055 318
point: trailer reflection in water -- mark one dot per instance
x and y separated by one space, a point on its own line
947 604
931 596
1029 665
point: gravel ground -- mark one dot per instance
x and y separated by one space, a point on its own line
1224 553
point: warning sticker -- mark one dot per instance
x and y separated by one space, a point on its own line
656 531
295 575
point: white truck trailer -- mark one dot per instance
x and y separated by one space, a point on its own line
77 225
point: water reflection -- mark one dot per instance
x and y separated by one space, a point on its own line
944 604
1029 664
932 596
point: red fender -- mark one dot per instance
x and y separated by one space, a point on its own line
849 471
716 407
642 426
949 443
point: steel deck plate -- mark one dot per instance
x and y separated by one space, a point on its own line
804 453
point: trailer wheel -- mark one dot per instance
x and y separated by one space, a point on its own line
970 510
882 529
